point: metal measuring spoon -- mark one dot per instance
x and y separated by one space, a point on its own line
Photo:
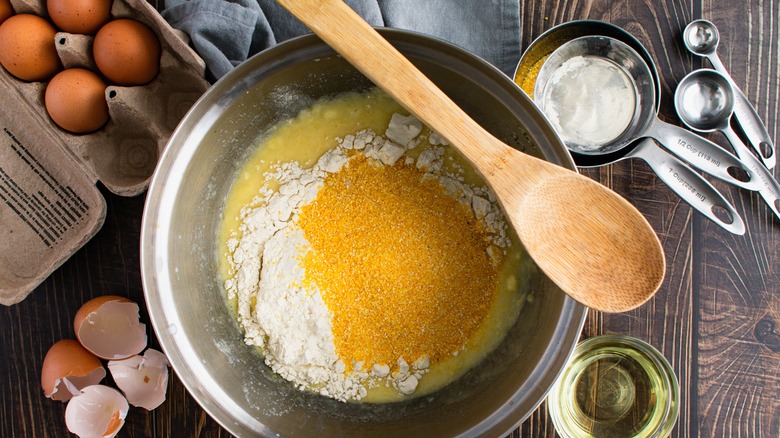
701 38
696 150
704 101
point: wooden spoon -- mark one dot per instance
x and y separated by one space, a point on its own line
588 240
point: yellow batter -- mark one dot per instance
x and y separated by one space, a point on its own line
304 139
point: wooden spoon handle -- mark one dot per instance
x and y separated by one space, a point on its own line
591 242
344 30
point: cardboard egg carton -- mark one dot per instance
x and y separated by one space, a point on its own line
49 203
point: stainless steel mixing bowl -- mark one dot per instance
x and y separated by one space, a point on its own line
186 300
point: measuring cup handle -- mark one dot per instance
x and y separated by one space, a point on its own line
691 187
702 154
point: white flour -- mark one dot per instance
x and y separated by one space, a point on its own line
290 322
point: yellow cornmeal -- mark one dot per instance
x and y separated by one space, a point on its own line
485 319
402 266
527 80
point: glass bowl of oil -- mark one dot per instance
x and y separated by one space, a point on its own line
615 386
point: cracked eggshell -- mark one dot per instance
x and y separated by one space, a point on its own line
98 412
109 326
143 379
67 368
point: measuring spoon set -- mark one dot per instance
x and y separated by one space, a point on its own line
705 101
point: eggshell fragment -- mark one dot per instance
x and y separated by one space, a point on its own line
67 368
109 327
143 379
98 412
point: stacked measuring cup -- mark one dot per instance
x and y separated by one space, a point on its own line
600 90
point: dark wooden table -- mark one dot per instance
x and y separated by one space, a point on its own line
716 317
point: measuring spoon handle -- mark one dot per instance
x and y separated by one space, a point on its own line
748 119
753 128
702 154
770 188
690 186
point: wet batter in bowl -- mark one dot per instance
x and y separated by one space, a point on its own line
367 261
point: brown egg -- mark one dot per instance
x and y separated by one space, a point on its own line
127 52
75 100
6 10
27 48
79 16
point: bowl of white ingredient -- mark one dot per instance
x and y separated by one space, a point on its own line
186 295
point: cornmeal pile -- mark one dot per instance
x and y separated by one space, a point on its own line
368 268
402 266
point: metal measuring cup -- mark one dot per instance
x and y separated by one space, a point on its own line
697 151
705 155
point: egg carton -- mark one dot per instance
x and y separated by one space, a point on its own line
50 203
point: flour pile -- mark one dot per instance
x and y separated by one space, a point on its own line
286 317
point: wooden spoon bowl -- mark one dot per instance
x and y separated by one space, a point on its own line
587 239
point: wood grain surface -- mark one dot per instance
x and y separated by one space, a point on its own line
716 317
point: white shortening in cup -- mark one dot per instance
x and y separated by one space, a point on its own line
590 101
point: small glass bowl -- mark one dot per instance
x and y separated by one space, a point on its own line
615 386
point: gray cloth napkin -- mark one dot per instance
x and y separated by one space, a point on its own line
227 32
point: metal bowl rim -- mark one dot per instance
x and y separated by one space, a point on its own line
154 249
